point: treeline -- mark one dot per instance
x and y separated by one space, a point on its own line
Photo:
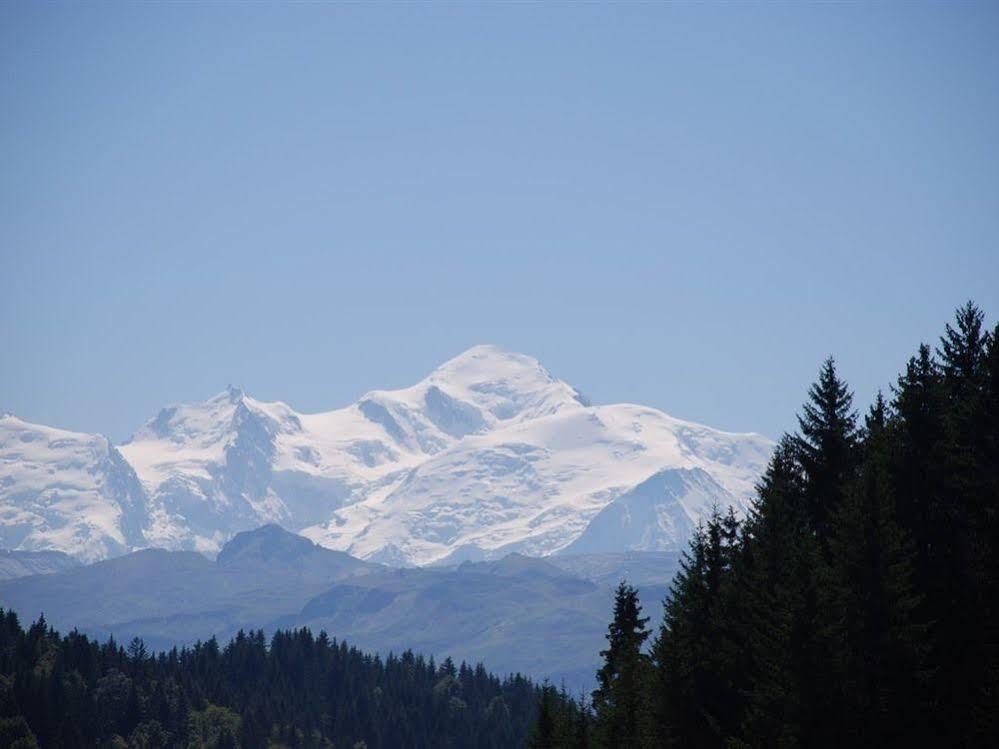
298 690
854 606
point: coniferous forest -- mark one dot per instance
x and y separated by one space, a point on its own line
298 690
855 605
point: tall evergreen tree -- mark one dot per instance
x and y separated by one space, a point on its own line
963 352
779 610
543 736
582 727
859 604
872 612
987 715
827 452
675 652
694 656
826 445
619 700
918 461
962 632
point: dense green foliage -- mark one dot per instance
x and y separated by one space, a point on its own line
299 690
856 604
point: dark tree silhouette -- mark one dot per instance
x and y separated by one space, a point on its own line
858 604
618 699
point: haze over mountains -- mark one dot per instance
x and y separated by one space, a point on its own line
545 618
489 454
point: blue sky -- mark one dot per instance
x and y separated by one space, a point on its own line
686 206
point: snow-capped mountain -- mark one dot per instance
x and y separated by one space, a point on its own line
488 454
67 491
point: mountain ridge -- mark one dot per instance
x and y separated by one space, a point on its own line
488 454
543 617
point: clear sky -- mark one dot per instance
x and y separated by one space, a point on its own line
685 206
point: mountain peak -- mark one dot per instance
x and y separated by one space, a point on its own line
487 454
486 349
269 542
505 383
232 394
490 361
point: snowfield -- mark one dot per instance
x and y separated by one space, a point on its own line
488 454
68 492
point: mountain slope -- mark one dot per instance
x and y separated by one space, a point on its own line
534 486
67 491
653 515
515 614
174 597
15 564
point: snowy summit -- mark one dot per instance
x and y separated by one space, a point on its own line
488 454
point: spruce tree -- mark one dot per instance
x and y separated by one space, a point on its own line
859 604
778 610
825 445
543 734
987 712
694 657
619 700
674 653
827 452
582 726
873 605
963 352
918 460
962 632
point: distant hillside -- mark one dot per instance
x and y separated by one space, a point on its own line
15 564
544 618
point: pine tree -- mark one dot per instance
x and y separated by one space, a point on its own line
581 727
774 712
674 652
962 632
693 655
963 351
918 460
619 700
987 712
872 604
825 445
859 604
543 735
826 449
779 610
